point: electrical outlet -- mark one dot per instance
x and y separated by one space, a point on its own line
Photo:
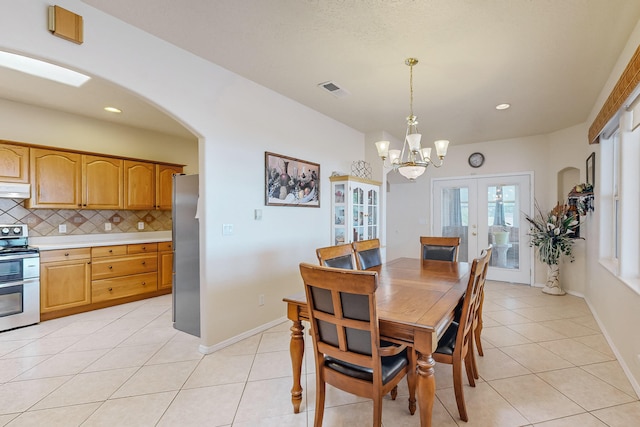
107 226
62 228
261 300
140 225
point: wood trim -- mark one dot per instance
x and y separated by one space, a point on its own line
340 178
90 153
627 82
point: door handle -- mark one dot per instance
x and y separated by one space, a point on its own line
474 233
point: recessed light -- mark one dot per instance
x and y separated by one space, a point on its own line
113 109
502 106
42 69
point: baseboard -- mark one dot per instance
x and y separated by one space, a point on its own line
625 368
226 343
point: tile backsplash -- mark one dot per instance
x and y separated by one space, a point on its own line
45 222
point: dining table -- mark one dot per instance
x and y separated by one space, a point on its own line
416 300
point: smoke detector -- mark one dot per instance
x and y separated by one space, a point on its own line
334 89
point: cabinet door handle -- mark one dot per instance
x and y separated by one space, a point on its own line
110 251
110 289
144 283
110 267
66 254
144 262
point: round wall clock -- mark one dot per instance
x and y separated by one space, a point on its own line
476 160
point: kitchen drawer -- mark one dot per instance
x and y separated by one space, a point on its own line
104 268
165 246
108 289
108 251
65 255
142 248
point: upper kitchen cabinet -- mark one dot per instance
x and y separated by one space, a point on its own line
14 163
139 185
56 179
102 182
164 185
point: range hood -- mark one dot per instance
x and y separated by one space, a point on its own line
14 190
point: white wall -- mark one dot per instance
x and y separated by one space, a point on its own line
35 125
615 305
236 122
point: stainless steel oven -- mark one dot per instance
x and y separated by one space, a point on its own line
19 278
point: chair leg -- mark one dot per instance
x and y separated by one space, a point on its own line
468 365
474 363
477 331
377 410
394 393
411 380
320 394
458 390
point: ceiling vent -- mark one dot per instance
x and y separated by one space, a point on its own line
334 89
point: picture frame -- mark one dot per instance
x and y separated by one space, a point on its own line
591 169
291 182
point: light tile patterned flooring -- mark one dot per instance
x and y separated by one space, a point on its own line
546 364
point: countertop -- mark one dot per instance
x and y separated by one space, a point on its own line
87 240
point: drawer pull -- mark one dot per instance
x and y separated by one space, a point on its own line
144 262
110 251
110 289
110 267
144 248
144 283
66 254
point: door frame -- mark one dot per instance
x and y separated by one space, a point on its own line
531 176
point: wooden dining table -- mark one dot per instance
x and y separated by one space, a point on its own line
416 300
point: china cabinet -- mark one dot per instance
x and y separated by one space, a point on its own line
355 209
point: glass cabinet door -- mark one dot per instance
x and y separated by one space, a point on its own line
339 219
372 215
358 214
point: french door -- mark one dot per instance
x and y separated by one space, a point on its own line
483 211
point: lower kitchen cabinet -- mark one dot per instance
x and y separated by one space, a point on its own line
165 265
84 279
65 279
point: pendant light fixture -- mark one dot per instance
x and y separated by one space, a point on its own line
413 160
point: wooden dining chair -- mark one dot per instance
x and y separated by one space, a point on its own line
455 347
477 323
346 340
367 253
339 256
439 248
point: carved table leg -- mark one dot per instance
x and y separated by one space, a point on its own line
296 348
426 387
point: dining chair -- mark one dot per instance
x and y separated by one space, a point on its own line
440 248
477 322
455 347
339 256
346 340
367 253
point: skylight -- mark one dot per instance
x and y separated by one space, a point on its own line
42 69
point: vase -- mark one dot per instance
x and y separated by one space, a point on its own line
552 287
501 237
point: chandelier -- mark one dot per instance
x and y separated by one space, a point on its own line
413 160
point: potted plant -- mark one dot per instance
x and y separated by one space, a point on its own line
552 234
501 236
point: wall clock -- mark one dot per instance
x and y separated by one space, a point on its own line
476 160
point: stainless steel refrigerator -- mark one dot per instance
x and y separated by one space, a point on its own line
186 255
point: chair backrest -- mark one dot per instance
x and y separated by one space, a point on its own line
439 248
342 313
472 299
340 256
367 253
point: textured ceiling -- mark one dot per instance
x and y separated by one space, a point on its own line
548 58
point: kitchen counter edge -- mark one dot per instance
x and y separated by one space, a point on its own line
92 240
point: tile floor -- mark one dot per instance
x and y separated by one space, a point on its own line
546 364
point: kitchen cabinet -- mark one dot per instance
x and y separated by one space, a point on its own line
102 182
139 185
165 265
164 185
123 271
355 209
14 163
65 279
56 179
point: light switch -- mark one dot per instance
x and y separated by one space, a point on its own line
257 214
227 229
62 228
140 225
107 226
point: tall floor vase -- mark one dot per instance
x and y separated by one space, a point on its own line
552 287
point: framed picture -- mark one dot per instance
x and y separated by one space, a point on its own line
591 169
291 182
